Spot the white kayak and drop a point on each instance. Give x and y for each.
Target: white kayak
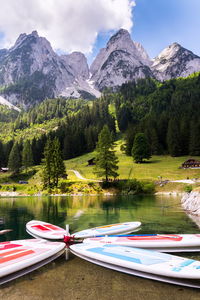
(140, 262)
(159, 242)
(118, 228)
(45, 230)
(17, 256)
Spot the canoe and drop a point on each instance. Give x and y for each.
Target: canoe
(20, 257)
(159, 242)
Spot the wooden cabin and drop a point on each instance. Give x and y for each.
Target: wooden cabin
(191, 163)
(91, 162)
(4, 170)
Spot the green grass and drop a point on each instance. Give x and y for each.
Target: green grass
(158, 166)
(165, 166)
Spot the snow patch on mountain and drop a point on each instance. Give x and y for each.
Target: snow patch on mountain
(5, 102)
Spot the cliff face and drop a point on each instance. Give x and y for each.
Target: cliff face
(191, 203)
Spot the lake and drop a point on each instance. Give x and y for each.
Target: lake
(158, 214)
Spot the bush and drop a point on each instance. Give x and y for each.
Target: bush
(132, 186)
(188, 188)
(148, 187)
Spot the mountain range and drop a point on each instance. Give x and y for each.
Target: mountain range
(32, 71)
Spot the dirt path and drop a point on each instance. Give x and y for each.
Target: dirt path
(79, 176)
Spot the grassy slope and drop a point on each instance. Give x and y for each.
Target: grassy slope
(165, 166)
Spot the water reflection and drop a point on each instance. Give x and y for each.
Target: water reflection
(157, 214)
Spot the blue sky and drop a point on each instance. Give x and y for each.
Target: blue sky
(159, 23)
(86, 25)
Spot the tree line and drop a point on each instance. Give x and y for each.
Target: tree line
(77, 130)
(166, 113)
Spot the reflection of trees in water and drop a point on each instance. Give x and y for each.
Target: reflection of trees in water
(15, 218)
(54, 210)
(112, 209)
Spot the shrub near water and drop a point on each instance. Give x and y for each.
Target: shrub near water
(132, 186)
(188, 188)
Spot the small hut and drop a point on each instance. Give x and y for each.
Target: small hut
(91, 162)
(4, 170)
(191, 163)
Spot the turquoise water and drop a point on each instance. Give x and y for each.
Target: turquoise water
(161, 214)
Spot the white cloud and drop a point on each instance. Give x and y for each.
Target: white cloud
(68, 24)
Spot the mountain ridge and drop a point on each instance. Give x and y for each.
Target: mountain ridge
(31, 71)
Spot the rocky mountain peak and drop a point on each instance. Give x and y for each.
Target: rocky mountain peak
(31, 71)
(121, 61)
(119, 37)
(175, 61)
(78, 64)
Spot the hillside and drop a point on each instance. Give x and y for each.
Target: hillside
(158, 170)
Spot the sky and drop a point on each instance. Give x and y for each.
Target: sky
(86, 25)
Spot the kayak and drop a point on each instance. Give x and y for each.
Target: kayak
(159, 242)
(40, 229)
(118, 228)
(20, 257)
(140, 262)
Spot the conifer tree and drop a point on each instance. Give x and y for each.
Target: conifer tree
(173, 138)
(14, 161)
(2, 157)
(141, 149)
(53, 165)
(58, 167)
(106, 160)
(194, 145)
(27, 155)
(47, 164)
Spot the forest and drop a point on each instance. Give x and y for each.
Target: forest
(166, 113)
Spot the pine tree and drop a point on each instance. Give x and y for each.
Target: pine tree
(27, 155)
(141, 149)
(106, 160)
(14, 161)
(58, 167)
(173, 138)
(53, 165)
(194, 144)
(47, 164)
(2, 157)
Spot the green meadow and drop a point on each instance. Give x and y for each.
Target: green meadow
(163, 166)
(158, 169)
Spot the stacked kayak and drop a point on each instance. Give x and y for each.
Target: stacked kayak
(109, 246)
(159, 242)
(44, 230)
(144, 263)
(48, 231)
(119, 228)
(20, 257)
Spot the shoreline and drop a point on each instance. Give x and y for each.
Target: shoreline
(17, 194)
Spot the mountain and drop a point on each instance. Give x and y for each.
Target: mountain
(121, 61)
(32, 71)
(175, 61)
(81, 87)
